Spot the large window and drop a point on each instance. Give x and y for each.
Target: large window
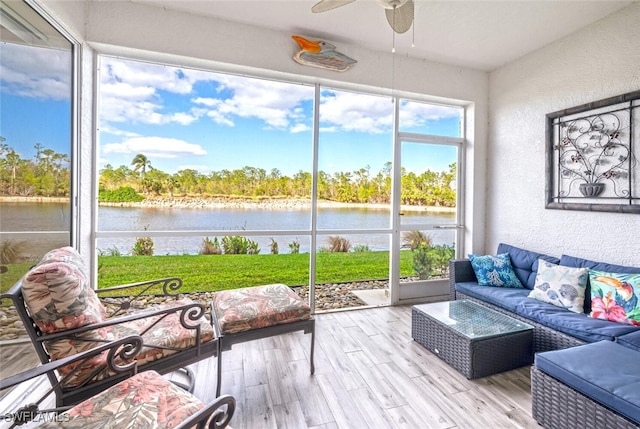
(36, 137)
(232, 177)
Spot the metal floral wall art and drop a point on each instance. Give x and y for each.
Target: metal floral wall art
(592, 156)
(318, 53)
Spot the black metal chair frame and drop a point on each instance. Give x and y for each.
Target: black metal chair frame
(120, 361)
(189, 314)
(227, 341)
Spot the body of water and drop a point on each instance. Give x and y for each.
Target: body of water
(53, 216)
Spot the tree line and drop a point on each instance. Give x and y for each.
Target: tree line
(47, 174)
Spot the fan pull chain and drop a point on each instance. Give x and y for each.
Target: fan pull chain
(393, 54)
(413, 33)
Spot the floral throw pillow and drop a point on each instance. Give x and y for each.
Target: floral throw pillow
(495, 270)
(615, 297)
(561, 286)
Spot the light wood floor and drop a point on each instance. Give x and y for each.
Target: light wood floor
(369, 374)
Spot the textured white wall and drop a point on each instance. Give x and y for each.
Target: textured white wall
(600, 61)
(149, 33)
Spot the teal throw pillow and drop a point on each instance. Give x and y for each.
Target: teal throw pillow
(561, 286)
(495, 270)
(615, 297)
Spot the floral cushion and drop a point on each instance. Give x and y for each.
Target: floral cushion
(157, 333)
(561, 286)
(58, 295)
(145, 400)
(615, 297)
(494, 270)
(249, 308)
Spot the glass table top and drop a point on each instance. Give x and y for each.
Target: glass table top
(472, 320)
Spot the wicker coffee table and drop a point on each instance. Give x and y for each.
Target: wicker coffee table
(475, 340)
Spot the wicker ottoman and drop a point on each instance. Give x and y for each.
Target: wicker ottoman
(252, 313)
(473, 339)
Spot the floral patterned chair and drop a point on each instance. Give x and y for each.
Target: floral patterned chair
(143, 400)
(63, 316)
(252, 313)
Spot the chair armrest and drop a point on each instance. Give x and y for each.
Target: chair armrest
(460, 270)
(218, 414)
(170, 287)
(188, 312)
(122, 349)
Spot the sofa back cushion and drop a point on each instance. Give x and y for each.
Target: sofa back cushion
(58, 295)
(525, 263)
(572, 261)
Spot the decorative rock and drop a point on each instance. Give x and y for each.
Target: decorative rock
(331, 296)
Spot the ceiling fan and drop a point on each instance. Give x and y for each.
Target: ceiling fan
(399, 12)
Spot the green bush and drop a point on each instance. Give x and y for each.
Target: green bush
(359, 248)
(294, 247)
(239, 245)
(210, 247)
(125, 194)
(431, 261)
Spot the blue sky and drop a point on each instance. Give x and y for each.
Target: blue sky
(35, 104)
(183, 118)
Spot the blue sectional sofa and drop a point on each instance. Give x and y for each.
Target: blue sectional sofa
(587, 370)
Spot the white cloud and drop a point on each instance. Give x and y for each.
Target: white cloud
(414, 114)
(107, 129)
(132, 91)
(35, 72)
(299, 128)
(277, 104)
(158, 147)
(356, 112)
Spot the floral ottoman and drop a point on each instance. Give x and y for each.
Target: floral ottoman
(252, 313)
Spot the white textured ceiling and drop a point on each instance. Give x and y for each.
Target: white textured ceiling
(472, 33)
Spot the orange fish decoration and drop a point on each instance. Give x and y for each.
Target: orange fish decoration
(321, 54)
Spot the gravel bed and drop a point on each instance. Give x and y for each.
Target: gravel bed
(331, 296)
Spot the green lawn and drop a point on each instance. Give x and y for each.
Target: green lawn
(216, 272)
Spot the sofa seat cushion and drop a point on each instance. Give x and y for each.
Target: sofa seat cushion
(572, 261)
(162, 337)
(145, 400)
(507, 298)
(574, 324)
(525, 263)
(631, 340)
(604, 371)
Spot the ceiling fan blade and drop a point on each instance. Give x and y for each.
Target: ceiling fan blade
(325, 5)
(401, 18)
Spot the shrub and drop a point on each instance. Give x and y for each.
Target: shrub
(431, 261)
(143, 247)
(273, 246)
(338, 244)
(414, 239)
(361, 248)
(210, 247)
(239, 245)
(112, 251)
(294, 247)
(10, 251)
(125, 194)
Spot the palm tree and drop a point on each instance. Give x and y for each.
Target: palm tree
(141, 162)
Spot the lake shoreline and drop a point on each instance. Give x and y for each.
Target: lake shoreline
(207, 202)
